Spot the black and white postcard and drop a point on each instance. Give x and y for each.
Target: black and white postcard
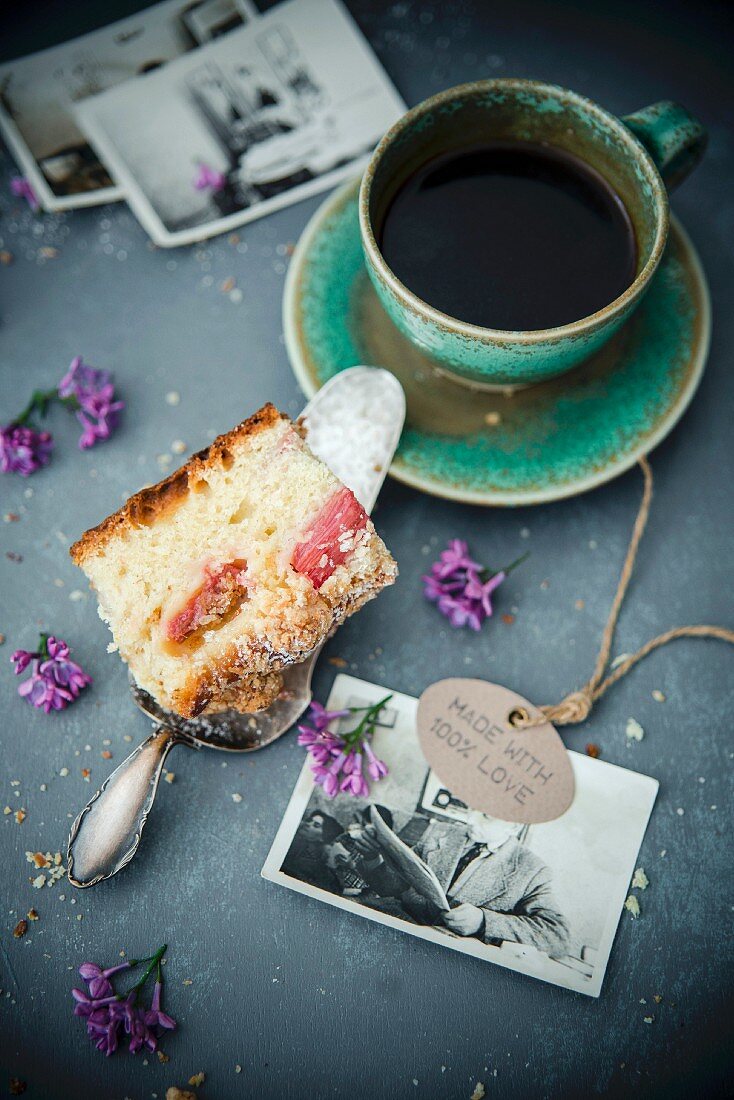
(544, 900)
(263, 117)
(38, 93)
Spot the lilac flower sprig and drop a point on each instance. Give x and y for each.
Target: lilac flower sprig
(107, 1012)
(461, 587)
(87, 392)
(338, 760)
(55, 680)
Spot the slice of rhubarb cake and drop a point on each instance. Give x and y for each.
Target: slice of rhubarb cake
(235, 566)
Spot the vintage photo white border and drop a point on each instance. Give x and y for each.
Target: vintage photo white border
(14, 138)
(313, 17)
(546, 969)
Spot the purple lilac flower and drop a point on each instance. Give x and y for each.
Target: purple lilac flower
(66, 673)
(21, 187)
(354, 782)
(109, 1014)
(98, 411)
(81, 380)
(43, 693)
(155, 1017)
(21, 659)
(316, 740)
(461, 588)
(330, 776)
(321, 717)
(454, 558)
(481, 592)
(376, 767)
(23, 450)
(208, 178)
(55, 681)
(98, 979)
(86, 1005)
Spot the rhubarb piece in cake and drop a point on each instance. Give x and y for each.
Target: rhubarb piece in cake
(236, 565)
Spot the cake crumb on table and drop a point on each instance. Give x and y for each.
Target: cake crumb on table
(632, 906)
(479, 1092)
(174, 1093)
(640, 881)
(197, 1079)
(634, 730)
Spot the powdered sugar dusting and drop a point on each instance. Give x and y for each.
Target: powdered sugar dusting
(353, 424)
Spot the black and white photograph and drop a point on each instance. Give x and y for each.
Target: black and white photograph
(541, 899)
(268, 115)
(38, 93)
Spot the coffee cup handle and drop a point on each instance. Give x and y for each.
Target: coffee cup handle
(675, 140)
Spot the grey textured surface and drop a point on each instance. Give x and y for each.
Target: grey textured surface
(308, 1000)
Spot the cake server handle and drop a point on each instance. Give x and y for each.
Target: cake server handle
(106, 834)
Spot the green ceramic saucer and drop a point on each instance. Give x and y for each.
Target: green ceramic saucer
(533, 445)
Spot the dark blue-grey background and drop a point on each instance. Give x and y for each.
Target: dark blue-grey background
(309, 1001)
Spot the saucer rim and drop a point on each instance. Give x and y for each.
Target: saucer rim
(494, 498)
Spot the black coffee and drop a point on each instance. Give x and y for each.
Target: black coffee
(510, 236)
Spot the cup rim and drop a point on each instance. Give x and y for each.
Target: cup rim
(516, 336)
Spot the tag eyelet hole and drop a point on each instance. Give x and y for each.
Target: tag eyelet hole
(518, 717)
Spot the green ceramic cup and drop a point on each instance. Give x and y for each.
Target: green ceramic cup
(640, 155)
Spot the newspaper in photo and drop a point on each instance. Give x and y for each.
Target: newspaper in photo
(272, 113)
(544, 900)
(38, 93)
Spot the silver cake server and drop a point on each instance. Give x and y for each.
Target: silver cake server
(353, 424)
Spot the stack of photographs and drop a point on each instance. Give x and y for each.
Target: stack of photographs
(203, 115)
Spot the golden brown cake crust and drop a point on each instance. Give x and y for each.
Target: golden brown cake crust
(143, 508)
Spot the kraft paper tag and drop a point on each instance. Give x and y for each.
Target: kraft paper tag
(466, 733)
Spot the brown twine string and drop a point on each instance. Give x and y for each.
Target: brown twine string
(577, 705)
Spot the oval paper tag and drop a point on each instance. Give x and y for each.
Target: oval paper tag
(465, 731)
